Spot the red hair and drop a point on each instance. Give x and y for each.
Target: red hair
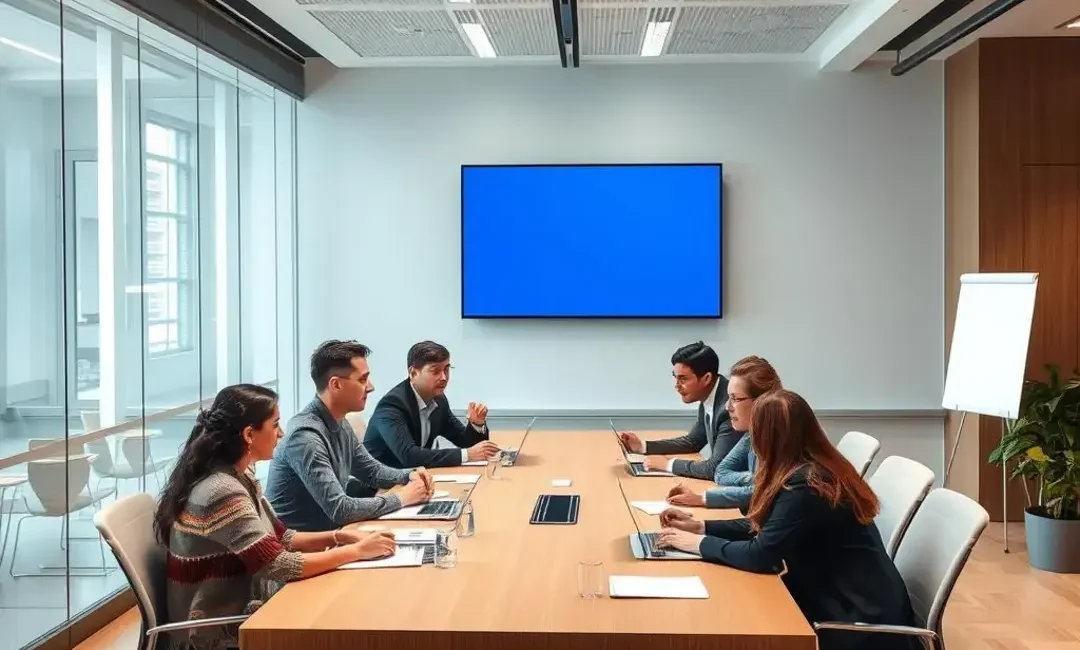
(786, 436)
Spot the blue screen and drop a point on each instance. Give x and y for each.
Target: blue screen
(591, 241)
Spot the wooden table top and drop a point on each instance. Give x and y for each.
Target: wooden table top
(516, 583)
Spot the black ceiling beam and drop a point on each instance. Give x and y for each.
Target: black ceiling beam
(574, 30)
(218, 31)
(921, 27)
(973, 22)
(559, 35)
(256, 17)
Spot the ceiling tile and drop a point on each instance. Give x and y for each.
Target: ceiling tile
(396, 33)
(750, 30)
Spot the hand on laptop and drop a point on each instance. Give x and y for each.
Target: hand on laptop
(682, 495)
(372, 546)
(679, 539)
(415, 491)
(485, 450)
(632, 442)
(656, 463)
(681, 520)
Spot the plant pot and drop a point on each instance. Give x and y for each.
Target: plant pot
(1052, 544)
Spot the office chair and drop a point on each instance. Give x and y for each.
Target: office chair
(127, 525)
(900, 484)
(931, 556)
(859, 449)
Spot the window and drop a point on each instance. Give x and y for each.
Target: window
(167, 274)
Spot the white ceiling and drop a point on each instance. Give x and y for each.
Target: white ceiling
(833, 34)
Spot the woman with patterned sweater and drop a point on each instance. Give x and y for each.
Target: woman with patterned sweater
(227, 550)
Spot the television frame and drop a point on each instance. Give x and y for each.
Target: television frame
(575, 317)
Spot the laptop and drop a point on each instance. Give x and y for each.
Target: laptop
(635, 463)
(643, 545)
(510, 456)
(428, 538)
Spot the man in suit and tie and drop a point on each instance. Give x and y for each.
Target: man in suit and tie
(696, 370)
(409, 418)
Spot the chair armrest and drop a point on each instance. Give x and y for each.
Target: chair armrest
(192, 624)
(928, 637)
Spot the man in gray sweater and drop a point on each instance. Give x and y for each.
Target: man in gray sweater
(321, 477)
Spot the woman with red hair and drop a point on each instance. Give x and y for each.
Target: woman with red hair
(811, 518)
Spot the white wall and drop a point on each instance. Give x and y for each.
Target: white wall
(833, 224)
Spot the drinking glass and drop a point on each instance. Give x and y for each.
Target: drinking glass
(493, 467)
(590, 579)
(446, 548)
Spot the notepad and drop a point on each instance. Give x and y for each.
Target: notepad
(651, 507)
(403, 556)
(456, 478)
(474, 463)
(656, 587)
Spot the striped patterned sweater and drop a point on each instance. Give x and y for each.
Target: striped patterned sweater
(228, 552)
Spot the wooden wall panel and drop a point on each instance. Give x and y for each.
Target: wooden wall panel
(1029, 117)
(1051, 199)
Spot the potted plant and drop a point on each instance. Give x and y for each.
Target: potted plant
(1045, 446)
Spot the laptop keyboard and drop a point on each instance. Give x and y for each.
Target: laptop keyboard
(649, 544)
(438, 508)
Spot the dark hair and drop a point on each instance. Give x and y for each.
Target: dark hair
(786, 436)
(426, 352)
(699, 357)
(334, 359)
(214, 441)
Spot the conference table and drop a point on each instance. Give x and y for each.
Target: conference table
(515, 585)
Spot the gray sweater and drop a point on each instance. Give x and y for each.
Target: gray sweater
(227, 554)
(312, 466)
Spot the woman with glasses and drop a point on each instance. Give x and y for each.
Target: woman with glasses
(811, 519)
(750, 378)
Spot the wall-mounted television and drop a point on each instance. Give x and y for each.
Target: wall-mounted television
(591, 241)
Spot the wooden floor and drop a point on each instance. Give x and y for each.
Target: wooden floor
(1000, 603)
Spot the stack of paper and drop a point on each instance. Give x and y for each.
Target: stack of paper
(474, 463)
(456, 478)
(403, 556)
(415, 535)
(656, 587)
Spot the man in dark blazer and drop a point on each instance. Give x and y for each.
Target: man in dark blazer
(696, 370)
(408, 419)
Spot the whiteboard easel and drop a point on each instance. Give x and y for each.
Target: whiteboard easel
(988, 354)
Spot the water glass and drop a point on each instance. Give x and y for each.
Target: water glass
(590, 579)
(466, 524)
(446, 548)
(493, 467)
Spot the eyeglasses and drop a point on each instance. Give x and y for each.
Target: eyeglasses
(735, 400)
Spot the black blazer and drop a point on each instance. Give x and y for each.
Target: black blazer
(720, 438)
(393, 433)
(838, 569)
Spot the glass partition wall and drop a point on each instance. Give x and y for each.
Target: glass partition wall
(146, 246)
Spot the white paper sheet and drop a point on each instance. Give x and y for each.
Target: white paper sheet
(651, 507)
(455, 478)
(404, 556)
(474, 463)
(635, 458)
(415, 535)
(656, 587)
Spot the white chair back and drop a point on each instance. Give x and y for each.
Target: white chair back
(127, 525)
(934, 550)
(900, 484)
(358, 424)
(860, 449)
